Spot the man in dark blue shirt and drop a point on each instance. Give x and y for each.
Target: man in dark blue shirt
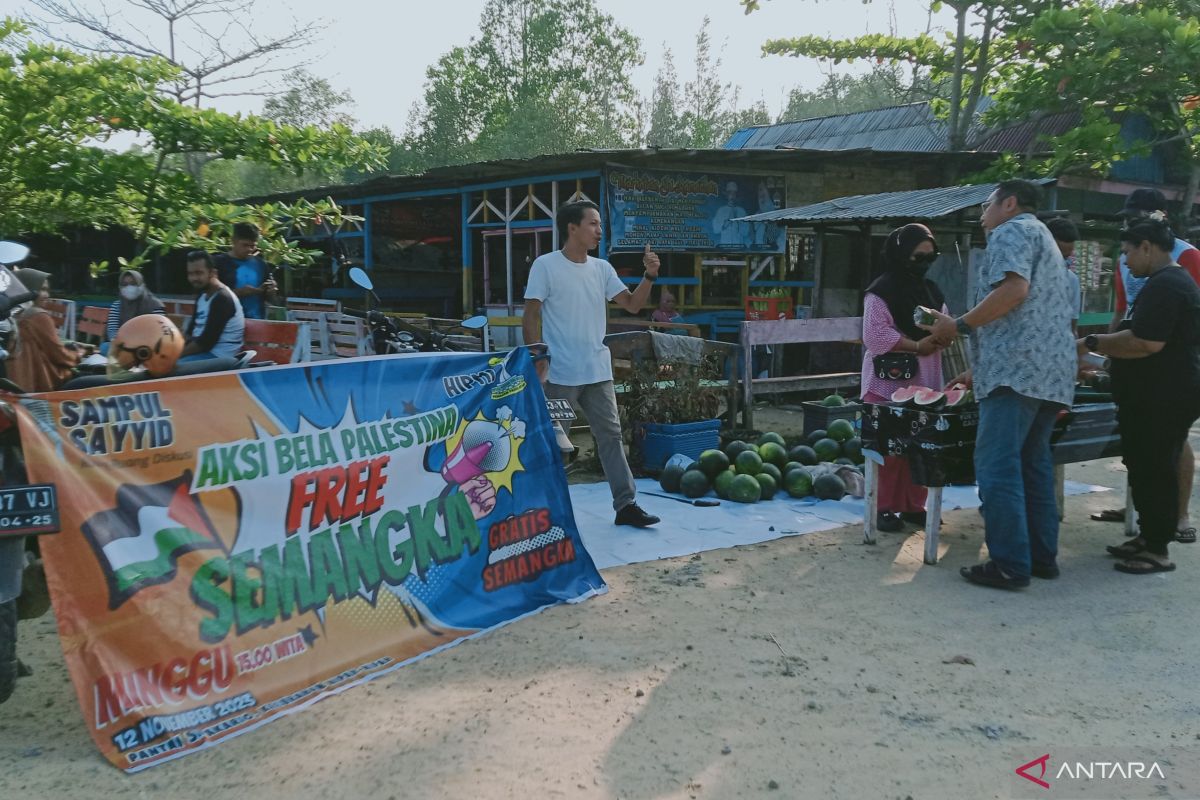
(244, 271)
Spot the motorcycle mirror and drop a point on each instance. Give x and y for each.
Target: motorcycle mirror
(475, 323)
(12, 252)
(360, 278)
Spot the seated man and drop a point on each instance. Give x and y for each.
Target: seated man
(218, 328)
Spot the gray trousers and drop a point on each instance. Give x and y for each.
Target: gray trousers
(599, 404)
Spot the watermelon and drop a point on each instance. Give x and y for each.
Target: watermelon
(827, 449)
(834, 400)
(712, 462)
(772, 453)
(843, 461)
(723, 482)
(789, 466)
(770, 436)
(694, 483)
(745, 489)
(798, 483)
(959, 397)
(853, 450)
(841, 430)
(907, 393)
(767, 485)
(669, 479)
(829, 487)
(928, 399)
(733, 448)
(816, 436)
(749, 463)
(804, 454)
(774, 471)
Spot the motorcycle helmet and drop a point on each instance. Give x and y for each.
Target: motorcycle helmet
(150, 342)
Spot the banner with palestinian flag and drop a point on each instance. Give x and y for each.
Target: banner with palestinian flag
(236, 546)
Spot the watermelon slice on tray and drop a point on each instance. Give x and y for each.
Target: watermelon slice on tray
(907, 393)
(929, 399)
(959, 396)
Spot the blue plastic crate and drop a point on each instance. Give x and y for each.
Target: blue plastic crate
(659, 442)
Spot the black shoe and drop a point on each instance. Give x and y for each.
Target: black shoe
(989, 574)
(1046, 572)
(633, 514)
(888, 522)
(915, 517)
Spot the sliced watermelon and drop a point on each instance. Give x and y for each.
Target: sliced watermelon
(928, 398)
(907, 393)
(959, 397)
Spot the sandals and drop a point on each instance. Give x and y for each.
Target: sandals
(1126, 549)
(1110, 515)
(1144, 564)
(1186, 535)
(989, 574)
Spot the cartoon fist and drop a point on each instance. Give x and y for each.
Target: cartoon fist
(481, 496)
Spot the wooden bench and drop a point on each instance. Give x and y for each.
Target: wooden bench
(63, 312)
(314, 304)
(281, 342)
(92, 323)
(347, 336)
(183, 306)
(795, 331)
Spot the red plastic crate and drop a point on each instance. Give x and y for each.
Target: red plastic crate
(760, 308)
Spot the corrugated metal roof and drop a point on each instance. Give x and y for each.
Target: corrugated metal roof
(919, 204)
(912, 128)
(908, 128)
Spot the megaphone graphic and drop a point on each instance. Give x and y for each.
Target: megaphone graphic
(485, 446)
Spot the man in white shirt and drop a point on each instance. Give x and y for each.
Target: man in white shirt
(565, 300)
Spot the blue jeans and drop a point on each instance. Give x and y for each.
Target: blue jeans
(196, 357)
(1015, 473)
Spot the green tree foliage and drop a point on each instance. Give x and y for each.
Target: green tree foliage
(704, 111)
(884, 85)
(308, 100)
(58, 106)
(1107, 61)
(542, 76)
(961, 63)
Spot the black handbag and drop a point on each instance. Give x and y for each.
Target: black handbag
(895, 366)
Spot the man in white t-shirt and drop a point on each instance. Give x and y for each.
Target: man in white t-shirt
(565, 300)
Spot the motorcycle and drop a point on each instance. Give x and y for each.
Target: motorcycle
(392, 336)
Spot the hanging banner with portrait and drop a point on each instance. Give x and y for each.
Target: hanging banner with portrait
(693, 212)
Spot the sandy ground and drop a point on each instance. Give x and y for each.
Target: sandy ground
(812, 666)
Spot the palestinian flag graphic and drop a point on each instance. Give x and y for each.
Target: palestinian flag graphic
(139, 541)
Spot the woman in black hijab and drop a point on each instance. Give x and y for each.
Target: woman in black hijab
(898, 354)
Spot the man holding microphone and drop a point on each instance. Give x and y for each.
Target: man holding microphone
(565, 299)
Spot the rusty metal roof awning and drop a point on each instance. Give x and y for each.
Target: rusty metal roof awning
(915, 204)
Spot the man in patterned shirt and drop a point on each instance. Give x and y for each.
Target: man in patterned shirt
(1024, 371)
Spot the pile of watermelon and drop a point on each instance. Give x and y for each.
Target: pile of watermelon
(746, 473)
(932, 399)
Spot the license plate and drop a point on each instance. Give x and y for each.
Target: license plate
(560, 410)
(28, 509)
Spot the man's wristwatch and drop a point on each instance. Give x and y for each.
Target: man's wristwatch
(646, 276)
(960, 324)
(1092, 342)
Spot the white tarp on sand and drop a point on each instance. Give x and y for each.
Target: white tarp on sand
(686, 529)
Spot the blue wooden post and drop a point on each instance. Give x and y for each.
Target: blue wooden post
(467, 256)
(368, 255)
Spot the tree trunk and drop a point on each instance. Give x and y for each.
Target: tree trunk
(956, 80)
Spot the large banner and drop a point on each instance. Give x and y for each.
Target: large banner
(236, 546)
(694, 212)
